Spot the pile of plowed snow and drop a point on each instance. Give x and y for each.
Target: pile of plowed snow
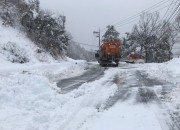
(168, 71)
(29, 99)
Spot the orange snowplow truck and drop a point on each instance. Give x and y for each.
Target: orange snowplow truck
(109, 53)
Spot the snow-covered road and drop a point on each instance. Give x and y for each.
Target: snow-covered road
(136, 104)
(79, 96)
(92, 73)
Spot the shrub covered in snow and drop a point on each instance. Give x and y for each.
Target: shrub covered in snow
(14, 53)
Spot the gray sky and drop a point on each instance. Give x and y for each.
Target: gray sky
(86, 16)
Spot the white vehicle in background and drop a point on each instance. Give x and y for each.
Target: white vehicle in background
(135, 58)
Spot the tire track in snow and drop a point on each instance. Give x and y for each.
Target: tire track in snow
(124, 91)
(151, 89)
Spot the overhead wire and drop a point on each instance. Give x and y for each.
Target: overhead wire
(175, 12)
(137, 15)
(171, 17)
(168, 9)
(146, 10)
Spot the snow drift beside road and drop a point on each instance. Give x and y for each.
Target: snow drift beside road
(169, 71)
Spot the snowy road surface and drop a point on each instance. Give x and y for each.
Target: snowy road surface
(93, 73)
(79, 96)
(136, 103)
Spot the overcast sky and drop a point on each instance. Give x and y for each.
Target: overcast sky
(86, 16)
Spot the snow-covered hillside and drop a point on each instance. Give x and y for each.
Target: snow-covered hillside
(16, 47)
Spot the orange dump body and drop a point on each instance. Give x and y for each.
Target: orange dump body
(109, 53)
(112, 48)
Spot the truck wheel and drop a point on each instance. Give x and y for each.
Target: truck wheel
(116, 65)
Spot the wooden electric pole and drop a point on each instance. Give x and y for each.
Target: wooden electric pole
(98, 34)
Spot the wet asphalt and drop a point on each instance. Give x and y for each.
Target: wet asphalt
(93, 72)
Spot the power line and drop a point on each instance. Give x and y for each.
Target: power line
(138, 17)
(168, 9)
(175, 12)
(172, 16)
(146, 10)
(171, 11)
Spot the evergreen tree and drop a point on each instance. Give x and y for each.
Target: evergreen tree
(111, 34)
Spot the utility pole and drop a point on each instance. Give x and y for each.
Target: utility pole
(98, 34)
(63, 20)
(18, 2)
(99, 37)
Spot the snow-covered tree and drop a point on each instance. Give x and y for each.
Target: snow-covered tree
(43, 27)
(111, 34)
(8, 13)
(154, 37)
(129, 46)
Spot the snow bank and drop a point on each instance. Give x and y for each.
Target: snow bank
(168, 71)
